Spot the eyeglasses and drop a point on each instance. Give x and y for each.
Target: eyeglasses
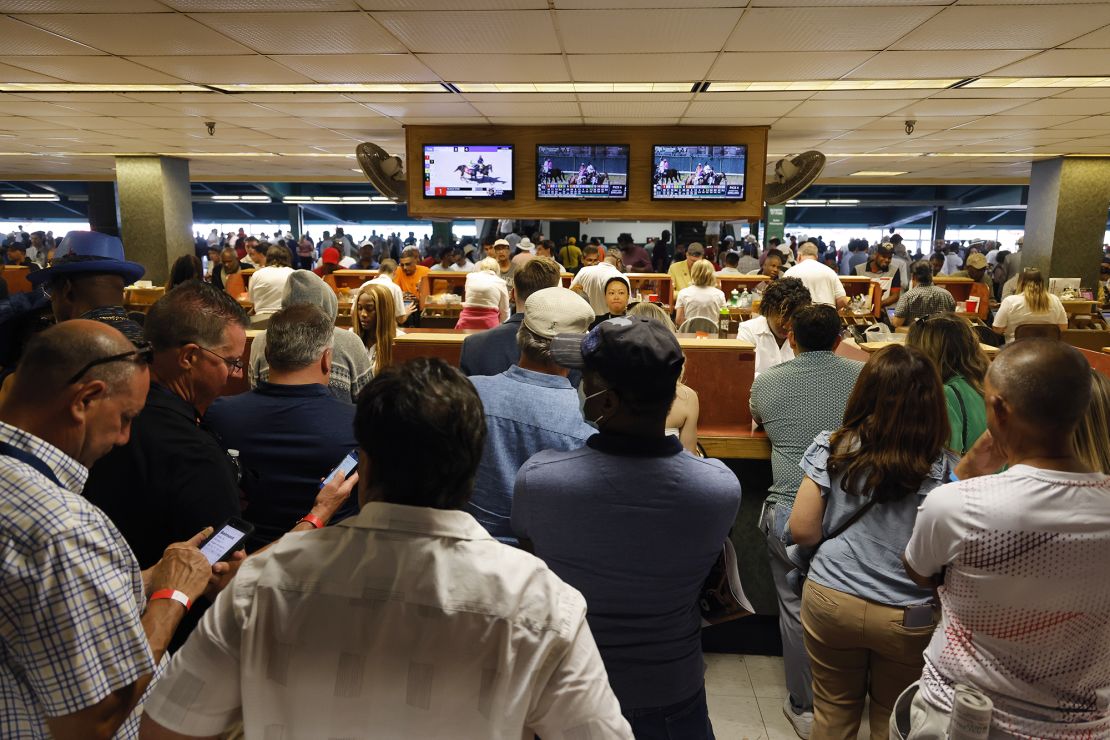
(233, 365)
(142, 353)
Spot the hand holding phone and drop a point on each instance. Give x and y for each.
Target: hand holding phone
(345, 466)
(226, 540)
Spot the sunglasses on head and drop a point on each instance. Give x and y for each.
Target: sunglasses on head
(143, 353)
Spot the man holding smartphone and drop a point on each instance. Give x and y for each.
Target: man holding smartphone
(84, 629)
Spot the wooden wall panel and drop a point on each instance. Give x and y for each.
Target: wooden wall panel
(639, 205)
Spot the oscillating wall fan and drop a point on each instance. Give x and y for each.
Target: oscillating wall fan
(385, 172)
(792, 176)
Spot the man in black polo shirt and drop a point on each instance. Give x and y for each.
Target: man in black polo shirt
(290, 430)
(174, 475)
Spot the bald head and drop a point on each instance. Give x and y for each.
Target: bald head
(1046, 383)
(57, 354)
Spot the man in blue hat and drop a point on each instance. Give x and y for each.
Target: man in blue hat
(87, 281)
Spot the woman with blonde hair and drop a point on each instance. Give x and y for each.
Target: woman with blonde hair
(374, 318)
(486, 296)
(701, 298)
(954, 348)
(682, 419)
(1092, 436)
(1032, 304)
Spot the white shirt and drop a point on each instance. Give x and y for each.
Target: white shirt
(1013, 312)
(700, 301)
(394, 289)
(768, 351)
(822, 282)
(486, 290)
(1025, 612)
(952, 264)
(593, 280)
(467, 266)
(399, 622)
(265, 288)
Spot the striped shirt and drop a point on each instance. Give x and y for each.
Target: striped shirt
(71, 597)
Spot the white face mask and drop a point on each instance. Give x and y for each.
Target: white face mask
(582, 399)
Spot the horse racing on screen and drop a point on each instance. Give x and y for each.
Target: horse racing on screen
(582, 172)
(698, 172)
(468, 171)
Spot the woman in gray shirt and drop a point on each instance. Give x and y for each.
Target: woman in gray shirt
(865, 623)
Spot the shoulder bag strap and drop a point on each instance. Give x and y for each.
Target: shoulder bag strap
(7, 450)
(852, 520)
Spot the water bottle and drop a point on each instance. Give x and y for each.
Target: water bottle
(234, 456)
(734, 297)
(745, 299)
(722, 326)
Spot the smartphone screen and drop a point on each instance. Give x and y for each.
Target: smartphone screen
(345, 466)
(222, 543)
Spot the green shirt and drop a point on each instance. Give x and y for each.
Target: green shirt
(974, 411)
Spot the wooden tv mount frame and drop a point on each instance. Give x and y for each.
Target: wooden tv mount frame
(638, 206)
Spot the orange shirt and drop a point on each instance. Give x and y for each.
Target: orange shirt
(234, 286)
(409, 284)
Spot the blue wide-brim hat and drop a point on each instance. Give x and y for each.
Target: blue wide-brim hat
(98, 253)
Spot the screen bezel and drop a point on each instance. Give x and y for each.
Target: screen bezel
(606, 199)
(722, 199)
(507, 195)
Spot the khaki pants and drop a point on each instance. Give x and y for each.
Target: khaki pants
(858, 649)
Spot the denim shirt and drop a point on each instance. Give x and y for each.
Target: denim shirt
(526, 412)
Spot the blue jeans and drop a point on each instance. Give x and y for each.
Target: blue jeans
(684, 720)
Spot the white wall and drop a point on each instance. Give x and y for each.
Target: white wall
(610, 230)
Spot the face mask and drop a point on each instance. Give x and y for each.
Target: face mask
(582, 399)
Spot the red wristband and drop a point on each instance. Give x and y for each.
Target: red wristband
(312, 519)
(173, 595)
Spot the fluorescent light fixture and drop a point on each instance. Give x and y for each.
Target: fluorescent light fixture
(822, 203)
(573, 87)
(822, 85)
(843, 201)
(30, 196)
(810, 201)
(995, 82)
(94, 87)
(241, 198)
(327, 87)
(900, 155)
(876, 173)
(333, 199)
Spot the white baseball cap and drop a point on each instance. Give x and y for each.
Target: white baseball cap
(557, 310)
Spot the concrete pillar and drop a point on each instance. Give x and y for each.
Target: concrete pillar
(296, 220)
(937, 227)
(1065, 222)
(103, 209)
(156, 212)
(441, 230)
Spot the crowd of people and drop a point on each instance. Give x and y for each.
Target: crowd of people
(521, 546)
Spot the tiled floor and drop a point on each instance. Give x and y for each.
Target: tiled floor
(745, 694)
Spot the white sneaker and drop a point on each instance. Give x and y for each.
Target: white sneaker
(802, 723)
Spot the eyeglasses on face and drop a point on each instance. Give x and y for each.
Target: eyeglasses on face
(234, 365)
(142, 353)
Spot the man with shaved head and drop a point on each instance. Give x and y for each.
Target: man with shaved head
(1022, 558)
(83, 629)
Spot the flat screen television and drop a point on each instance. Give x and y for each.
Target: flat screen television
(698, 172)
(468, 171)
(597, 172)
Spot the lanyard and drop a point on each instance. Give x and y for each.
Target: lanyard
(7, 450)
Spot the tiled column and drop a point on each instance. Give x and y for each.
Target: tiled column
(1065, 223)
(156, 212)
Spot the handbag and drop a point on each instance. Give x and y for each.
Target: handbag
(722, 597)
(802, 556)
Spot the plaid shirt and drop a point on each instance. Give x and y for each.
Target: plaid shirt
(71, 597)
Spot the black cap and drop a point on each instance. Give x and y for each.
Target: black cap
(635, 354)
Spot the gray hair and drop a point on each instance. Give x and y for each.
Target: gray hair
(533, 346)
(192, 313)
(298, 336)
(410, 252)
(808, 249)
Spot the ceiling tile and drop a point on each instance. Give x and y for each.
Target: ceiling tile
(133, 34)
(616, 31)
(224, 70)
(497, 67)
(1019, 122)
(247, 6)
(180, 123)
(836, 3)
(1099, 39)
(402, 97)
(534, 109)
(510, 31)
(748, 66)
(964, 93)
(359, 67)
(81, 6)
(641, 4)
(101, 69)
(820, 108)
(825, 29)
(516, 97)
(607, 121)
(427, 110)
(453, 4)
(628, 109)
(325, 110)
(747, 109)
(828, 123)
(103, 123)
(897, 124)
(661, 67)
(24, 39)
(544, 121)
(1093, 123)
(635, 97)
(447, 121)
(16, 74)
(304, 33)
(731, 121)
(1006, 27)
(218, 108)
(1061, 62)
(864, 95)
(20, 123)
(893, 65)
(743, 96)
(1062, 106)
(960, 107)
(119, 109)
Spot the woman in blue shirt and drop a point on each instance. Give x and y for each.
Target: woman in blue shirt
(865, 623)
